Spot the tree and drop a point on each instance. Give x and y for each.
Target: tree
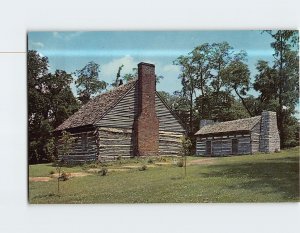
(116, 83)
(186, 146)
(88, 82)
(236, 76)
(50, 102)
(278, 83)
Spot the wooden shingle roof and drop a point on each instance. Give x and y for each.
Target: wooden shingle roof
(245, 124)
(96, 108)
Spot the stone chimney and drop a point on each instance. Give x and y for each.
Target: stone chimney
(269, 136)
(146, 125)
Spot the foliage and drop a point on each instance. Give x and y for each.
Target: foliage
(103, 171)
(278, 83)
(208, 74)
(186, 145)
(88, 83)
(118, 81)
(150, 160)
(64, 176)
(180, 163)
(67, 142)
(50, 102)
(216, 80)
(143, 168)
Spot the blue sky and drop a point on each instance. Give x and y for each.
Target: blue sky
(70, 51)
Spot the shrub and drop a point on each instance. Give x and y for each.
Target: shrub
(150, 160)
(93, 165)
(143, 168)
(64, 176)
(103, 171)
(180, 163)
(51, 172)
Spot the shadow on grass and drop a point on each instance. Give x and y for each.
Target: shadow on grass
(279, 175)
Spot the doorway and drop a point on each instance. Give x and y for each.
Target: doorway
(235, 146)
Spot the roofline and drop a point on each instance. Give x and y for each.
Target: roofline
(73, 128)
(224, 132)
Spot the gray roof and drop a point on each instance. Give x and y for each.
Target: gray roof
(245, 124)
(97, 107)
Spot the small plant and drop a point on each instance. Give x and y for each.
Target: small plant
(150, 160)
(180, 163)
(161, 159)
(51, 172)
(143, 168)
(119, 157)
(103, 171)
(64, 176)
(93, 165)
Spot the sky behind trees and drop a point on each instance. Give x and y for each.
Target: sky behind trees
(71, 51)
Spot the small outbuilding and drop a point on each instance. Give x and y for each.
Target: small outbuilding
(243, 136)
(130, 120)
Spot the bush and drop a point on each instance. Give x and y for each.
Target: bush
(150, 160)
(51, 172)
(143, 168)
(103, 171)
(93, 165)
(64, 176)
(180, 163)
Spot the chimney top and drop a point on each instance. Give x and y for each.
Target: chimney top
(146, 64)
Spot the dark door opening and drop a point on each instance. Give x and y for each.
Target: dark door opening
(235, 145)
(208, 147)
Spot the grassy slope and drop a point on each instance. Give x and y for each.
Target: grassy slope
(254, 178)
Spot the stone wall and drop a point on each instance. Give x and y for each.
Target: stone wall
(269, 140)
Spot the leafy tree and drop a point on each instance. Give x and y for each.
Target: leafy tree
(278, 83)
(186, 146)
(236, 76)
(50, 102)
(88, 82)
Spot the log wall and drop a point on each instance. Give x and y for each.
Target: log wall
(222, 145)
(116, 128)
(84, 147)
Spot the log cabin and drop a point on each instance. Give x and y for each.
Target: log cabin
(130, 120)
(243, 136)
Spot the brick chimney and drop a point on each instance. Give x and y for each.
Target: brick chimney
(146, 125)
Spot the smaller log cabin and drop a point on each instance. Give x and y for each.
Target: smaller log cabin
(129, 120)
(243, 136)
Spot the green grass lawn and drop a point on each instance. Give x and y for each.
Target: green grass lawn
(252, 178)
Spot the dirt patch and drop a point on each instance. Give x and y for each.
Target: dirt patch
(96, 170)
(202, 161)
(40, 179)
(79, 174)
(131, 166)
(164, 163)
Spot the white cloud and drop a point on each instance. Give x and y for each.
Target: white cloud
(66, 35)
(110, 69)
(37, 45)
